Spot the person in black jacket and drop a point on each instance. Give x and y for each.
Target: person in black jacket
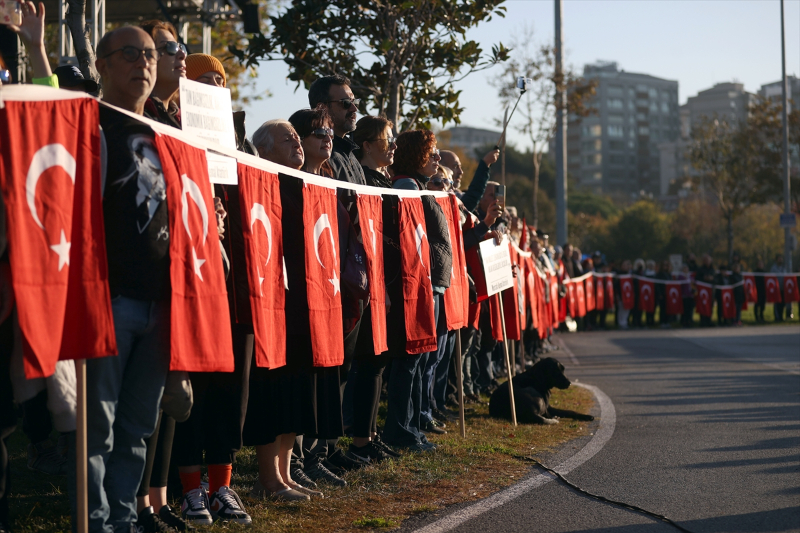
(735, 279)
(761, 291)
(664, 273)
(705, 273)
(477, 186)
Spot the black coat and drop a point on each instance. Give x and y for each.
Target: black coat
(439, 241)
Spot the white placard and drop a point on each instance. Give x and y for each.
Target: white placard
(496, 261)
(676, 261)
(206, 112)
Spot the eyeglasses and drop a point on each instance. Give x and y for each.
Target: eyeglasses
(171, 48)
(389, 141)
(442, 181)
(320, 133)
(435, 155)
(131, 54)
(347, 102)
(5, 76)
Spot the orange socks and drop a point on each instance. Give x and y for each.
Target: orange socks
(190, 480)
(218, 476)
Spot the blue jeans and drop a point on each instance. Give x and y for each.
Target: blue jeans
(404, 399)
(443, 371)
(123, 394)
(435, 359)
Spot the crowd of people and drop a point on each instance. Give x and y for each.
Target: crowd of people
(139, 449)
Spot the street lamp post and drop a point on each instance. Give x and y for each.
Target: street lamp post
(787, 232)
(561, 134)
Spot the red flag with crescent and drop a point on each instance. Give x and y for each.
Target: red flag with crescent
(456, 297)
(589, 289)
(260, 201)
(533, 291)
(609, 292)
(199, 340)
(580, 297)
(370, 213)
(773, 289)
(415, 268)
(647, 297)
(705, 299)
(790, 292)
(572, 298)
(674, 299)
(323, 270)
(626, 291)
(50, 176)
(553, 303)
(728, 303)
(494, 316)
(600, 293)
(750, 292)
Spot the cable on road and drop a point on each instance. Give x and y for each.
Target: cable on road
(607, 500)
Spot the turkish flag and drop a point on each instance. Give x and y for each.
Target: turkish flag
(750, 292)
(626, 291)
(553, 303)
(415, 268)
(674, 299)
(533, 289)
(790, 292)
(600, 296)
(573, 299)
(456, 297)
(728, 303)
(704, 299)
(580, 297)
(199, 340)
(773, 289)
(647, 297)
(494, 317)
(260, 201)
(323, 268)
(50, 176)
(589, 289)
(370, 213)
(610, 292)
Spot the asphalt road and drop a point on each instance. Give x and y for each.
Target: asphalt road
(706, 432)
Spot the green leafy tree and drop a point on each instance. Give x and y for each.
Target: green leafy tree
(535, 117)
(641, 230)
(402, 57)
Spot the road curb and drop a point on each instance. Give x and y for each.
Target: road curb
(608, 420)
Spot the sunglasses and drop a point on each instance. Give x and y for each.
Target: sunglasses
(389, 141)
(131, 54)
(171, 48)
(5, 76)
(320, 133)
(442, 181)
(347, 102)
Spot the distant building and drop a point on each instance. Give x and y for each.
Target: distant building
(724, 100)
(773, 90)
(616, 150)
(471, 138)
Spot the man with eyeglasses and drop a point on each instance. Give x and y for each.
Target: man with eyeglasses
(124, 391)
(334, 92)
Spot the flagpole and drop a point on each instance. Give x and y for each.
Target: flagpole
(81, 461)
(460, 383)
(508, 361)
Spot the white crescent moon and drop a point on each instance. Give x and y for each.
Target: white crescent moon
(372, 229)
(646, 292)
(46, 157)
(257, 212)
(319, 227)
(726, 298)
(673, 293)
(191, 188)
(704, 295)
(418, 235)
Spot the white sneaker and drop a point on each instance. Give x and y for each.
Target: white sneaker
(227, 507)
(194, 507)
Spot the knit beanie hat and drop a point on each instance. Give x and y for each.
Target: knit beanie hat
(199, 64)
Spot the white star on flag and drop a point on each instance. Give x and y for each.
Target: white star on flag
(335, 283)
(197, 264)
(62, 250)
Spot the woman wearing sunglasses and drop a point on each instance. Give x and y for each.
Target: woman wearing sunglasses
(442, 180)
(315, 128)
(162, 104)
(375, 152)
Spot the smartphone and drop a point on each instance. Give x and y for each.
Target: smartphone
(500, 194)
(10, 13)
(522, 83)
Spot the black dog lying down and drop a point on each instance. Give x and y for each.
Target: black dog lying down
(532, 395)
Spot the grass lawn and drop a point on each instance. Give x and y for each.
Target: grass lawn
(381, 496)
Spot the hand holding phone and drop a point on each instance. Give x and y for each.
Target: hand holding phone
(10, 13)
(500, 194)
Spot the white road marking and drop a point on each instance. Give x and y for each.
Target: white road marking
(608, 420)
(561, 344)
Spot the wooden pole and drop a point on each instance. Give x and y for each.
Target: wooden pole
(81, 460)
(508, 361)
(460, 383)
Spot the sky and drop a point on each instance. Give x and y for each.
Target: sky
(697, 42)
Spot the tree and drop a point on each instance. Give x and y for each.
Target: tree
(402, 57)
(539, 105)
(642, 230)
(76, 20)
